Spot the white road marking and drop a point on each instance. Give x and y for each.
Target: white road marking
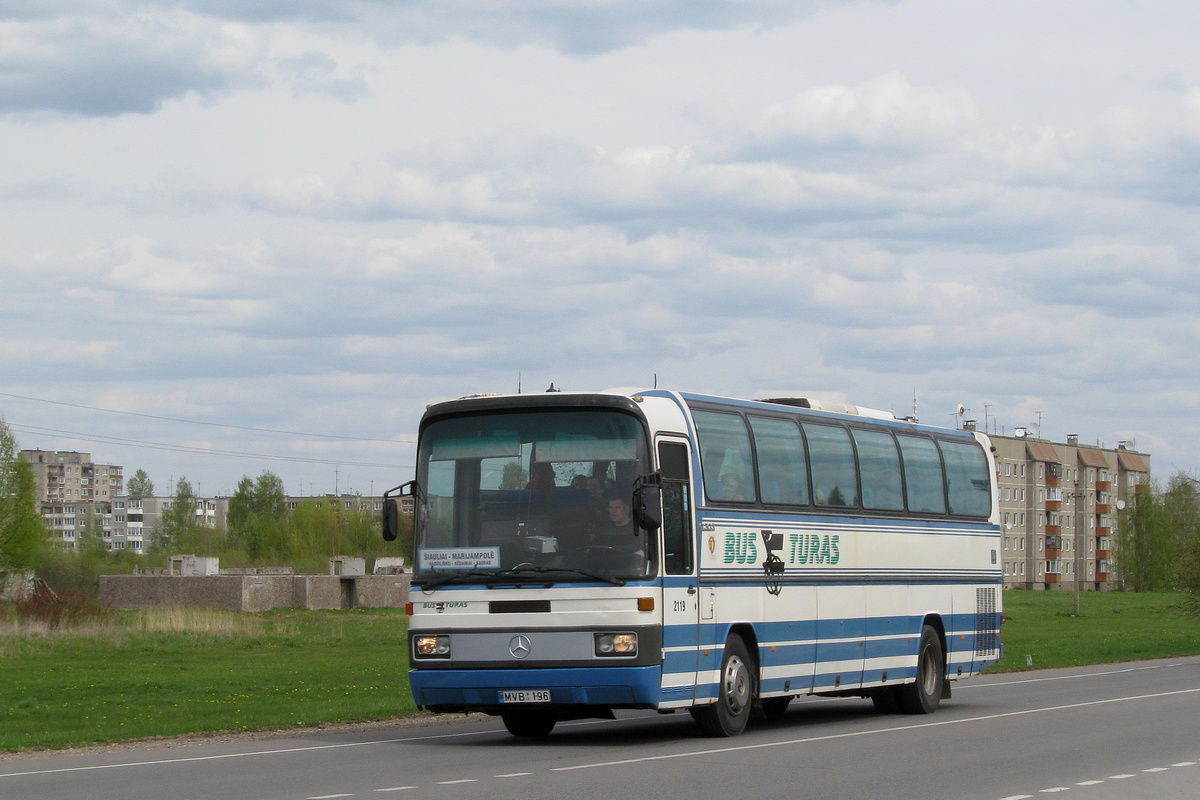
(329, 796)
(275, 752)
(1088, 783)
(1018, 797)
(395, 788)
(1185, 764)
(1156, 769)
(1120, 777)
(513, 775)
(460, 780)
(855, 734)
(1055, 790)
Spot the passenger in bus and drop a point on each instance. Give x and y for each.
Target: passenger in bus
(731, 485)
(541, 478)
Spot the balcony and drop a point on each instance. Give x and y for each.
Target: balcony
(1054, 505)
(1053, 552)
(1053, 480)
(1104, 554)
(1103, 530)
(1103, 486)
(1103, 576)
(1103, 508)
(1053, 530)
(1053, 578)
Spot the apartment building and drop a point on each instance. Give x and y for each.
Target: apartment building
(1058, 509)
(75, 494)
(137, 519)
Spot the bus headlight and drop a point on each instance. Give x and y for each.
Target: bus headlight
(431, 646)
(616, 644)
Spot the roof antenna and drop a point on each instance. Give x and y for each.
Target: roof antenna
(656, 380)
(518, 383)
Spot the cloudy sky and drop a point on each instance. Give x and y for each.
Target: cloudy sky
(240, 235)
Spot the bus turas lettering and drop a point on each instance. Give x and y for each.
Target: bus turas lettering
(809, 548)
(741, 547)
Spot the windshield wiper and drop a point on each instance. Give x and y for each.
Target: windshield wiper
(433, 583)
(516, 572)
(581, 572)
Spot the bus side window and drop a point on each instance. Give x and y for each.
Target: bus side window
(879, 469)
(725, 457)
(678, 542)
(967, 482)
(923, 475)
(782, 469)
(831, 458)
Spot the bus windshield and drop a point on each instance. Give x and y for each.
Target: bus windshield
(533, 497)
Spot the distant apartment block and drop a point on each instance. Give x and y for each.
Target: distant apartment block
(136, 519)
(1058, 510)
(75, 494)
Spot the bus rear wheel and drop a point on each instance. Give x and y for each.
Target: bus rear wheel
(735, 694)
(529, 724)
(923, 695)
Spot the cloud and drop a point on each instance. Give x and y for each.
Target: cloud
(109, 65)
(315, 73)
(578, 27)
(886, 113)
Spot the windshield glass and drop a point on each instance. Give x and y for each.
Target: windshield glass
(531, 497)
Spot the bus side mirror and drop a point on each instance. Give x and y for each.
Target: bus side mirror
(647, 503)
(391, 510)
(391, 519)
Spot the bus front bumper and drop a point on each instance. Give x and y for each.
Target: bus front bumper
(482, 689)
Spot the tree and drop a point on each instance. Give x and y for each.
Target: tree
(1145, 551)
(257, 516)
(22, 534)
(140, 485)
(179, 519)
(1182, 508)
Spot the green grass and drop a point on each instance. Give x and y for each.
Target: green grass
(1111, 627)
(143, 674)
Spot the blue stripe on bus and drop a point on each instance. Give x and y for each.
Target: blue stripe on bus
(576, 686)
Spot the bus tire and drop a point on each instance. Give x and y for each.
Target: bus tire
(735, 693)
(529, 724)
(922, 696)
(774, 707)
(885, 701)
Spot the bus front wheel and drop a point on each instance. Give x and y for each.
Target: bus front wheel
(735, 694)
(529, 724)
(923, 695)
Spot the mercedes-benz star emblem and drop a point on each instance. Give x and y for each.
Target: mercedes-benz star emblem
(520, 646)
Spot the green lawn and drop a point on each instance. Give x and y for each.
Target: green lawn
(141, 674)
(284, 669)
(1111, 627)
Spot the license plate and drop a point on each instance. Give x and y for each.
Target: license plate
(525, 696)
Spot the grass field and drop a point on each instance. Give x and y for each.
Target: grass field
(159, 673)
(1111, 627)
(162, 673)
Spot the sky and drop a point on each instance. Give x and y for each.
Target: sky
(239, 236)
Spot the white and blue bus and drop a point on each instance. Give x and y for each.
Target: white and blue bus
(579, 553)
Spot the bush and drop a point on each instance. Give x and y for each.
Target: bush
(61, 609)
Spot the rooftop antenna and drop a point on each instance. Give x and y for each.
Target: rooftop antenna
(656, 380)
(518, 383)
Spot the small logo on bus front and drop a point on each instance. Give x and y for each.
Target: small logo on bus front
(520, 646)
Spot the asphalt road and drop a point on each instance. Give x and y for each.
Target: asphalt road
(1094, 733)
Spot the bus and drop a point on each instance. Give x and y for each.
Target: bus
(579, 553)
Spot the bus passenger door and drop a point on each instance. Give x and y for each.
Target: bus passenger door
(681, 596)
